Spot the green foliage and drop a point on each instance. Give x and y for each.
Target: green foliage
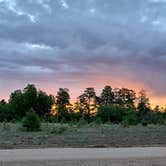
(6, 126)
(43, 103)
(74, 116)
(63, 120)
(62, 98)
(107, 96)
(125, 123)
(59, 129)
(144, 122)
(82, 122)
(98, 121)
(155, 118)
(113, 113)
(85, 101)
(6, 113)
(124, 97)
(17, 104)
(130, 117)
(51, 119)
(31, 121)
(143, 104)
(30, 96)
(113, 106)
(21, 101)
(63, 115)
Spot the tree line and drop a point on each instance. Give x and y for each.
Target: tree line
(118, 105)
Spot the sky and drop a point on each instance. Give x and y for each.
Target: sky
(83, 43)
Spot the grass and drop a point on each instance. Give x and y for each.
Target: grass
(90, 135)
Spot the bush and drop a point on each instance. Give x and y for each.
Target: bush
(130, 118)
(51, 119)
(125, 123)
(98, 121)
(144, 123)
(6, 114)
(82, 122)
(113, 113)
(63, 120)
(59, 130)
(155, 118)
(31, 122)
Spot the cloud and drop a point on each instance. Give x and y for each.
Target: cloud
(74, 42)
(64, 4)
(158, 1)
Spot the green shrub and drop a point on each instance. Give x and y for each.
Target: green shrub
(144, 123)
(63, 120)
(51, 119)
(125, 123)
(59, 130)
(31, 122)
(98, 121)
(73, 123)
(130, 118)
(6, 125)
(155, 118)
(6, 113)
(82, 122)
(113, 113)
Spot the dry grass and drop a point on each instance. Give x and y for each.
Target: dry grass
(58, 135)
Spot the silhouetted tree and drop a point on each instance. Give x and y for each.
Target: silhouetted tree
(17, 104)
(3, 102)
(88, 101)
(44, 103)
(6, 114)
(107, 96)
(30, 96)
(22, 101)
(157, 108)
(125, 97)
(117, 106)
(62, 100)
(143, 104)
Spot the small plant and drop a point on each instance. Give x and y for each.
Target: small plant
(73, 123)
(31, 122)
(125, 123)
(6, 125)
(82, 122)
(59, 130)
(51, 119)
(144, 123)
(98, 121)
(63, 120)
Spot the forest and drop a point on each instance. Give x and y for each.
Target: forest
(115, 106)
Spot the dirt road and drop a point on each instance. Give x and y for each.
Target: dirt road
(148, 156)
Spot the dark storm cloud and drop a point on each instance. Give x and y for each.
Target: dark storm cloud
(63, 39)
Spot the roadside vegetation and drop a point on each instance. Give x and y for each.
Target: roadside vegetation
(87, 135)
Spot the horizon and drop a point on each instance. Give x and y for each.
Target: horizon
(73, 99)
(77, 44)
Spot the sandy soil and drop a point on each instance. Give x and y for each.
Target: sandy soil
(147, 156)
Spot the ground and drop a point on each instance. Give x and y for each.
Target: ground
(91, 135)
(146, 156)
(131, 162)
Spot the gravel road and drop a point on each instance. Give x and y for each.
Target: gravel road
(147, 156)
